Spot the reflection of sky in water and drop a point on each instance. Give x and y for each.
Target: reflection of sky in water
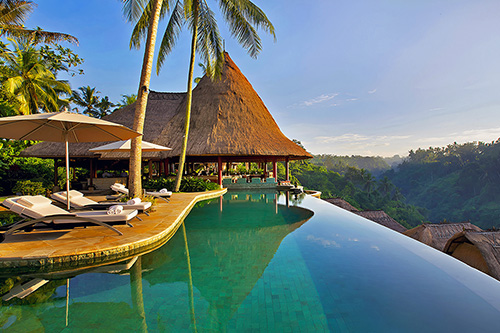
(260, 266)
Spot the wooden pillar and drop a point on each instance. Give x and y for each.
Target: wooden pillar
(265, 169)
(275, 170)
(150, 167)
(287, 168)
(219, 169)
(166, 165)
(91, 172)
(56, 165)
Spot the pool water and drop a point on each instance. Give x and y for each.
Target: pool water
(262, 262)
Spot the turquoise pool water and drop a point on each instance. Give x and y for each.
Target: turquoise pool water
(249, 263)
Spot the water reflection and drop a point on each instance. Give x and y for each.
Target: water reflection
(210, 265)
(228, 252)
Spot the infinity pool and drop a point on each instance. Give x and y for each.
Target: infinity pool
(262, 262)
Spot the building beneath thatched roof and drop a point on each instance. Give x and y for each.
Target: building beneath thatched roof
(382, 218)
(378, 216)
(229, 123)
(480, 250)
(436, 235)
(342, 204)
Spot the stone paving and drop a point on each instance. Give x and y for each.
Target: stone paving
(44, 251)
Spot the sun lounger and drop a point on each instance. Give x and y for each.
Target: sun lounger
(120, 188)
(43, 212)
(78, 201)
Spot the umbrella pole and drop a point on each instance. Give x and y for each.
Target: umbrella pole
(67, 170)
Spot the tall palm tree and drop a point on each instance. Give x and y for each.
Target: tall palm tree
(13, 13)
(243, 18)
(133, 9)
(25, 77)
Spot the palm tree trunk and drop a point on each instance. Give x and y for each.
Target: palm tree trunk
(182, 157)
(135, 185)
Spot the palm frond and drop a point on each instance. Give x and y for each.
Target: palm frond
(140, 30)
(37, 35)
(132, 9)
(240, 28)
(171, 34)
(209, 41)
(15, 12)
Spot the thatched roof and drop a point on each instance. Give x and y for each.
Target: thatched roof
(228, 118)
(342, 204)
(477, 249)
(436, 235)
(382, 218)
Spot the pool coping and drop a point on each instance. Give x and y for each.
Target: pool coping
(94, 246)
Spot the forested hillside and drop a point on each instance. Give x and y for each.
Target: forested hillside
(375, 164)
(357, 186)
(454, 183)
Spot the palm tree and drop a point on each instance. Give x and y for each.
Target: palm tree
(13, 13)
(127, 100)
(26, 79)
(242, 16)
(87, 98)
(132, 9)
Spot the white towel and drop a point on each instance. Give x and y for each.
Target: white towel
(134, 201)
(163, 190)
(115, 210)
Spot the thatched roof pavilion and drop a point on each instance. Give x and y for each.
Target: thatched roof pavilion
(229, 123)
(477, 249)
(436, 235)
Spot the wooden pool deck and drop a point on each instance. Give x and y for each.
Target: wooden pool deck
(46, 251)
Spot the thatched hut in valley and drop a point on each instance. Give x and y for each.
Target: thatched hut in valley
(229, 123)
(436, 235)
(339, 202)
(480, 250)
(378, 216)
(382, 218)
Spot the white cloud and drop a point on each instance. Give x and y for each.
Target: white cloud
(351, 99)
(316, 100)
(372, 91)
(319, 99)
(322, 241)
(485, 135)
(359, 138)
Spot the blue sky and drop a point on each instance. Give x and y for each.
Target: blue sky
(364, 77)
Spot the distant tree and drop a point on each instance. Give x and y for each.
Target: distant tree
(88, 99)
(127, 100)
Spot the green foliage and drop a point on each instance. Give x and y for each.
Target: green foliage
(458, 182)
(13, 168)
(356, 186)
(28, 187)
(189, 184)
(341, 164)
(8, 217)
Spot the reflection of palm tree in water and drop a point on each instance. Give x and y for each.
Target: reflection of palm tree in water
(136, 290)
(227, 254)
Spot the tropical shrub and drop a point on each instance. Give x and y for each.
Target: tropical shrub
(28, 187)
(190, 184)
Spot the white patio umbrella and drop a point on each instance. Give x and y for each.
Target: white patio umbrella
(63, 127)
(121, 146)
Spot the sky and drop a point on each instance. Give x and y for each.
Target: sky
(359, 77)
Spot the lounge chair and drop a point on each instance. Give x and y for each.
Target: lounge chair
(120, 188)
(44, 213)
(78, 201)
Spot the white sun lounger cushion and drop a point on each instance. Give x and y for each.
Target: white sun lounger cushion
(34, 201)
(134, 201)
(44, 207)
(76, 198)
